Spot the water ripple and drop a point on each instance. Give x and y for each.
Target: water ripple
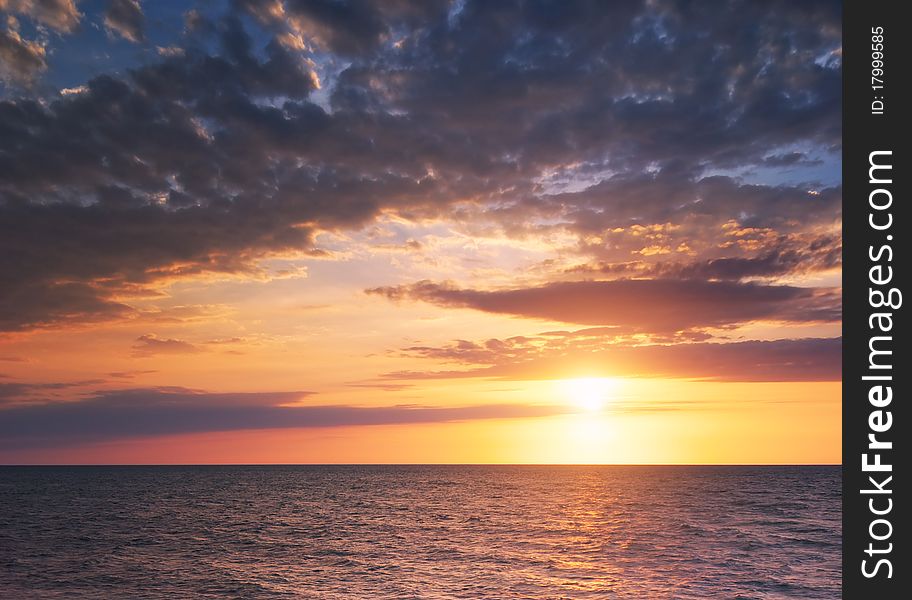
(435, 532)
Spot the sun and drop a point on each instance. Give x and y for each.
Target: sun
(588, 393)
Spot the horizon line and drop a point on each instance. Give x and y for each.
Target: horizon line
(438, 464)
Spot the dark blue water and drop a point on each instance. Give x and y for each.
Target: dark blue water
(420, 532)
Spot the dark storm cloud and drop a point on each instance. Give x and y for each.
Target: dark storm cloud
(96, 185)
(125, 18)
(220, 155)
(37, 304)
(650, 306)
(550, 356)
(664, 83)
(134, 413)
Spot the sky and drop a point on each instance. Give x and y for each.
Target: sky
(335, 231)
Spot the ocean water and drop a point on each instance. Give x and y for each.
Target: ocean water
(420, 532)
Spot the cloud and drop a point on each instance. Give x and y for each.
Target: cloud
(34, 305)
(638, 200)
(626, 86)
(211, 159)
(125, 414)
(60, 15)
(349, 28)
(130, 374)
(657, 305)
(78, 148)
(13, 391)
(555, 356)
(789, 159)
(21, 60)
(125, 18)
(383, 386)
(783, 255)
(169, 51)
(151, 345)
(25, 393)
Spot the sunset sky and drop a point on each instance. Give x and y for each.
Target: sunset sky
(344, 231)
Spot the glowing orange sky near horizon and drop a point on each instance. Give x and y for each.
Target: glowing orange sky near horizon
(778, 424)
(256, 336)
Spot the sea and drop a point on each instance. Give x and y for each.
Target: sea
(364, 532)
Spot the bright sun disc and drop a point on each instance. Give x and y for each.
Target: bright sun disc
(588, 393)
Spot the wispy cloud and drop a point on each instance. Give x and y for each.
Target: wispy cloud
(125, 18)
(131, 413)
(151, 345)
(554, 356)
